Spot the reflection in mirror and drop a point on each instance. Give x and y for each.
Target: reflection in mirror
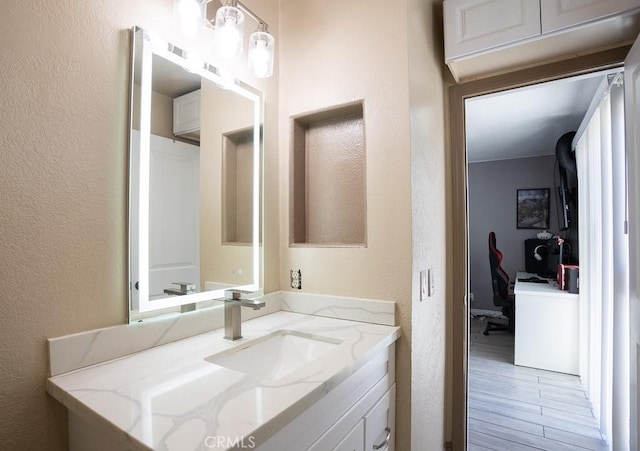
(194, 188)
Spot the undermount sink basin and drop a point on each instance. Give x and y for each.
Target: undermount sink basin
(276, 355)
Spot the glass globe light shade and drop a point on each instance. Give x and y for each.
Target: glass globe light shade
(261, 54)
(229, 31)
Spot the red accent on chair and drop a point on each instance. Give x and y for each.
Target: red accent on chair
(500, 285)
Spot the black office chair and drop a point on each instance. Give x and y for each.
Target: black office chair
(500, 284)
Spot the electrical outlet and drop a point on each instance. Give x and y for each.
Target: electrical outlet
(296, 279)
(423, 285)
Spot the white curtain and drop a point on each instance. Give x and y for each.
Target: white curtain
(595, 151)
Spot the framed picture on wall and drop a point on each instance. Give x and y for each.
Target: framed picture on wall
(533, 208)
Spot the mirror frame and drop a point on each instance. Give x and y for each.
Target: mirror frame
(139, 200)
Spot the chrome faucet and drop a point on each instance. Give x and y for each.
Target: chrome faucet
(232, 312)
(185, 288)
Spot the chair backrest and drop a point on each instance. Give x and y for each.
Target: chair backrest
(499, 278)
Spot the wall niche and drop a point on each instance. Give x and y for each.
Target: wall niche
(237, 195)
(328, 178)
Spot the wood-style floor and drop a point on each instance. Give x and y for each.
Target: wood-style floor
(519, 408)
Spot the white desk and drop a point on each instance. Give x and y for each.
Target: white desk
(546, 334)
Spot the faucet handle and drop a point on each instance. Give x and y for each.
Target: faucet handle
(185, 286)
(235, 294)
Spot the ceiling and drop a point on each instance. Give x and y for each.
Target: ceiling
(527, 122)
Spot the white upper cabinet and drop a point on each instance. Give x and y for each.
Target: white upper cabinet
(476, 25)
(186, 115)
(487, 37)
(559, 14)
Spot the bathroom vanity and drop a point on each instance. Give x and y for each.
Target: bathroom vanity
(294, 382)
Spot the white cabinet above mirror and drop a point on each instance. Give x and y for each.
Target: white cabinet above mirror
(471, 25)
(559, 14)
(488, 37)
(181, 117)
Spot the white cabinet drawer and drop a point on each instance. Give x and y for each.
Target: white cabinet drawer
(336, 439)
(559, 14)
(380, 423)
(326, 425)
(374, 429)
(354, 441)
(476, 25)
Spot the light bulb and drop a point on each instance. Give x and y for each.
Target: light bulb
(261, 59)
(229, 38)
(261, 54)
(229, 31)
(190, 16)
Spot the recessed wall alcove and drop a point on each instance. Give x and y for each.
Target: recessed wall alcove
(237, 196)
(328, 178)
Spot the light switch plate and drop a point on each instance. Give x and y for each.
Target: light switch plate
(423, 285)
(431, 283)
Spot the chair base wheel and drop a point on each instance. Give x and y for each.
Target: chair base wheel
(493, 326)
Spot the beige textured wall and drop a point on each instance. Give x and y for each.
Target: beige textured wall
(64, 68)
(429, 183)
(332, 53)
(335, 182)
(63, 146)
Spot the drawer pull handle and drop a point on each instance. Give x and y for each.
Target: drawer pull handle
(386, 439)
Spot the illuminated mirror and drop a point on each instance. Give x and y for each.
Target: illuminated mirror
(194, 181)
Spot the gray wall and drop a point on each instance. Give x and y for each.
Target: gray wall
(492, 206)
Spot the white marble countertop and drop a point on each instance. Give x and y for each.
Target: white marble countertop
(170, 397)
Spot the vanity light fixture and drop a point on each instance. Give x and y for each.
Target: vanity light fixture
(229, 32)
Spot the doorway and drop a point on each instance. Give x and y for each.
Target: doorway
(459, 246)
(524, 388)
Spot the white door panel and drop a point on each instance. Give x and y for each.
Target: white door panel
(174, 220)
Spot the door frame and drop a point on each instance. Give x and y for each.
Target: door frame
(458, 244)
